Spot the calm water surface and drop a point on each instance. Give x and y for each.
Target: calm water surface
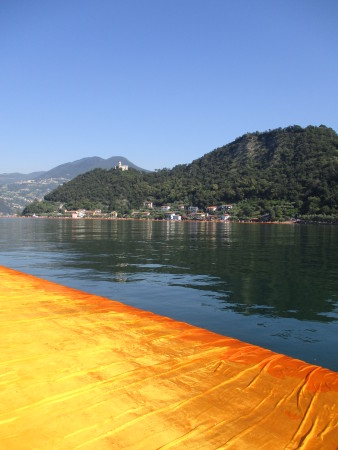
(270, 285)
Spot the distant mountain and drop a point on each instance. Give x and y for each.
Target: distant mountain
(280, 173)
(17, 190)
(72, 169)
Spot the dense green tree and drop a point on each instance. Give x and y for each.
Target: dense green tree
(37, 207)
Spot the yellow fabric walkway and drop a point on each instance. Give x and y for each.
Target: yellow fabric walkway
(81, 371)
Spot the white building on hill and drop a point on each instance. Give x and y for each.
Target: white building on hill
(121, 166)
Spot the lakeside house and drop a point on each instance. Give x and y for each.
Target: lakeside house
(148, 205)
(212, 208)
(165, 207)
(79, 214)
(173, 216)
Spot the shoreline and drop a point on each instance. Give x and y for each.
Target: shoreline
(244, 222)
(251, 222)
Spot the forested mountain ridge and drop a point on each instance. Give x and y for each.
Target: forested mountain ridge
(292, 164)
(282, 172)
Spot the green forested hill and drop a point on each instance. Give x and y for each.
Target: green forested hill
(106, 189)
(282, 172)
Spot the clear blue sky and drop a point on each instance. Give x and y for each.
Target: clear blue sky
(161, 82)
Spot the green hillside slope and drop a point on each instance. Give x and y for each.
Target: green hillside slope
(283, 172)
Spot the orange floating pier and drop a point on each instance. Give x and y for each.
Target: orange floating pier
(80, 371)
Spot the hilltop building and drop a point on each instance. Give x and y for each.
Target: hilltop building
(121, 166)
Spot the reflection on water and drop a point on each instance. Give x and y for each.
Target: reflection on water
(275, 286)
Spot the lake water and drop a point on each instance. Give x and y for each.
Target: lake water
(271, 285)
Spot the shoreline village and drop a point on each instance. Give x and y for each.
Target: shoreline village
(284, 222)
